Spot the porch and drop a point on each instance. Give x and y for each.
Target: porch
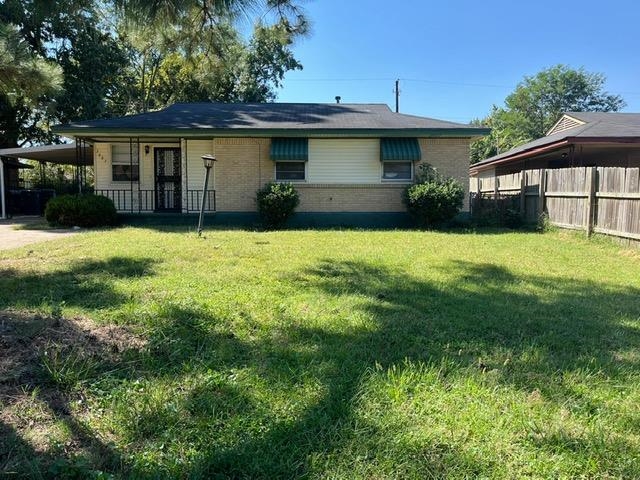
(138, 200)
(152, 175)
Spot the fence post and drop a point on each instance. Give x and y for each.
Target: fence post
(523, 193)
(542, 188)
(592, 181)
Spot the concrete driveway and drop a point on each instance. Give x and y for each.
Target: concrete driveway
(19, 231)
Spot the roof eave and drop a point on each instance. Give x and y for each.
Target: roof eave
(481, 166)
(486, 164)
(269, 132)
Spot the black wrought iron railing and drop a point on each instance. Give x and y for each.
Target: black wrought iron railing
(194, 199)
(147, 201)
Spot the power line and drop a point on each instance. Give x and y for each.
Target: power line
(418, 80)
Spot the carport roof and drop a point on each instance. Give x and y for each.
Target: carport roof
(65, 154)
(592, 127)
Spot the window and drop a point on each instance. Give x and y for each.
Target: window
(290, 171)
(397, 170)
(123, 167)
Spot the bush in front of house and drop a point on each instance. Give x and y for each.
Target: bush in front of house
(434, 199)
(277, 202)
(81, 211)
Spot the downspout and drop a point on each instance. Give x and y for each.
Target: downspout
(4, 205)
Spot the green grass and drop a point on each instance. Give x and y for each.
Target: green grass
(328, 354)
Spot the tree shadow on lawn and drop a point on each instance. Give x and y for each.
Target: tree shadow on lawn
(548, 328)
(86, 284)
(43, 356)
(475, 319)
(45, 360)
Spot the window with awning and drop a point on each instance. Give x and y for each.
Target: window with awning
(289, 149)
(397, 156)
(290, 156)
(400, 150)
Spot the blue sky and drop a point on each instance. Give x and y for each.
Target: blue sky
(455, 59)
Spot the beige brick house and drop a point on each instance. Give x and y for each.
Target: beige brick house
(353, 158)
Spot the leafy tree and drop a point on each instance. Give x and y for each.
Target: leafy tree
(69, 33)
(537, 103)
(113, 63)
(166, 67)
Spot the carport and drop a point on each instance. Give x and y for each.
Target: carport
(79, 154)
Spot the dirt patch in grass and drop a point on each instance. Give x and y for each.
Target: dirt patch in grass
(25, 338)
(41, 367)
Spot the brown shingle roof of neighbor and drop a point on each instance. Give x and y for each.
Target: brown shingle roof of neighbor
(270, 116)
(598, 125)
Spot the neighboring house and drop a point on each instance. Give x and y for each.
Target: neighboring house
(578, 139)
(342, 157)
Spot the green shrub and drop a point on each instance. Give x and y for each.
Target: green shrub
(434, 199)
(81, 211)
(276, 203)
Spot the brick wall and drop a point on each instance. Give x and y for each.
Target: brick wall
(244, 166)
(451, 157)
(351, 198)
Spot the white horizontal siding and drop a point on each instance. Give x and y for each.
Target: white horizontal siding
(195, 168)
(344, 161)
(105, 154)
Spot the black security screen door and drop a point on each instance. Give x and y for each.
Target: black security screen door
(168, 180)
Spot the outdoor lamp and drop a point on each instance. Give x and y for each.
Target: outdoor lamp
(208, 161)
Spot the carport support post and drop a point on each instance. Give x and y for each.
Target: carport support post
(2, 200)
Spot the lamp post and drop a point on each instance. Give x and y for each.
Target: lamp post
(208, 161)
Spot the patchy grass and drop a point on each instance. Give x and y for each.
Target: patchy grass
(320, 354)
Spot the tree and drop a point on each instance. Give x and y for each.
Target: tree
(113, 62)
(166, 66)
(537, 103)
(210, 12)
(23, 73)
(69, 33)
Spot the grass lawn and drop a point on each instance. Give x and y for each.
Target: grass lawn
(320, 354)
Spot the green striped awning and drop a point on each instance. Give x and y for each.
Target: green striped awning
(400, 150)
(289, 149)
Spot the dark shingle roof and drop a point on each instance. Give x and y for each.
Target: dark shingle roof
(252, 117)
(597, 125)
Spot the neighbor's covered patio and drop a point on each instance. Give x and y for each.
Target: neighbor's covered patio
(18, 199)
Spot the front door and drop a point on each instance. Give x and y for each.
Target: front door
(168, 179)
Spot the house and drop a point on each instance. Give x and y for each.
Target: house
(348, 158)
(578, 139)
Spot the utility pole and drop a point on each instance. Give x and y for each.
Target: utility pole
(397, 92)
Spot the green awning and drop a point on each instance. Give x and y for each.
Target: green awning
(289, 149)
(400, 150)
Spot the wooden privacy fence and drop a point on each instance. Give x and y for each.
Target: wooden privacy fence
(595, 199)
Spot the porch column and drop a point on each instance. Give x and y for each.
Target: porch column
(184, 177)
(2, 200)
